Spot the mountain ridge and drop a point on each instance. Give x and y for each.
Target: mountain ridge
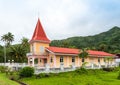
(106, 41)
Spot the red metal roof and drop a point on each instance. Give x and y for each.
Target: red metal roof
(76, 51)
(39, 34)
(63, 50)
(100, 53)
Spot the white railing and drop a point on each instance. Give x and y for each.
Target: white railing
(29, 54)
(14, 64)
(47, 68)
(117, 60)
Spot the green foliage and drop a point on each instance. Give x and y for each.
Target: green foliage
(15, 52)
(18, 53)
(84, 64)
(7, 38)
(83, 53)
(108, 60)
(109, 69)
(42, 75)
(106, 41)
(81, 71)
(13, 75)
(4, 80)
(26, 72)
(118, 75)
(3, 69)
(79, 77)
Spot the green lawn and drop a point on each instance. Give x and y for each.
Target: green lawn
(93, 77)
(5, 81)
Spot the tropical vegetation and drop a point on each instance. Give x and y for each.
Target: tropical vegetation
(78, 77)
(16, 52)
(107, 41)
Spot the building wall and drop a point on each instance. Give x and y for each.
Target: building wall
(78, 61)
(36, 47)
(57, 61)
(68, 61)
(51, 62)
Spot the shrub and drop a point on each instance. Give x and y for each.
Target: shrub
(118, 76)
(26, 72)
(108, 69)
(14, 77)
(81, 71)
(3, 69)
(42, 75)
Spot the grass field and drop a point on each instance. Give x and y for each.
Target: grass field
(92, 77)
(5, 81)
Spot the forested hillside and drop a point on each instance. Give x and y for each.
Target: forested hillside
(108, 41)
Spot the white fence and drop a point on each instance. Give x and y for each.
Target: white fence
(14, 65)
(47, 69)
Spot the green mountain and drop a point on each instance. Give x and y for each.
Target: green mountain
(108, 41)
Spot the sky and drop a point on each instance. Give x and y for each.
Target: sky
(60, 18)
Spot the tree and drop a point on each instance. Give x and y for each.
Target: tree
(108, 60)
(18, 53)
(83, 54)
(102, 47)
(7, 38)
(1, 54)
(25, 42)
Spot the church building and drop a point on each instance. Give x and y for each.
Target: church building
(42, 55)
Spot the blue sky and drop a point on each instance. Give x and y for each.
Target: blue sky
(60, 18)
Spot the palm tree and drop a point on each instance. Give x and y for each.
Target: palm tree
(18, 53)
(7, 38)
(108, 60)
(83, 54)
(25, 42)
(1, 54)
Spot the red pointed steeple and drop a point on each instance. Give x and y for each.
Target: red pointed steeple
(39, 34)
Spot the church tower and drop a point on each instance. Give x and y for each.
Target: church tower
(39, 40)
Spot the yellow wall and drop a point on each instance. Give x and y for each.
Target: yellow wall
(49, 60)
(78, 61)
(67, 61)
(57, 61)
(36, 46)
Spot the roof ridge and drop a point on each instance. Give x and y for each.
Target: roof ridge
(63, 47)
